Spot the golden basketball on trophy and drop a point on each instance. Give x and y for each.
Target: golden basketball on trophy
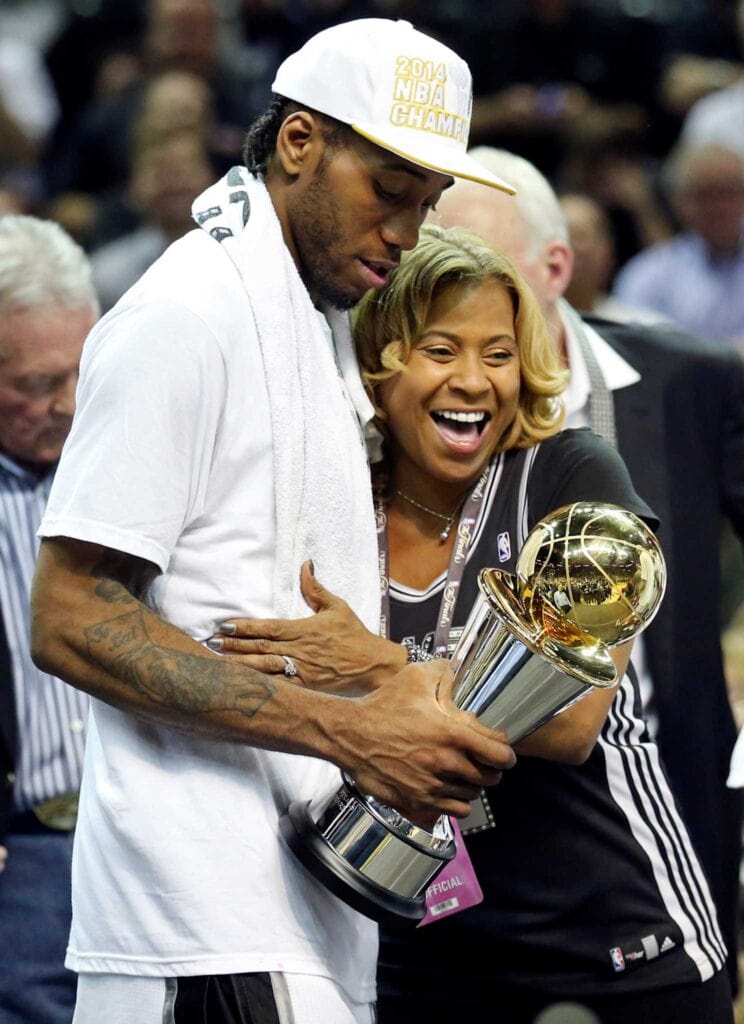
(595, 566)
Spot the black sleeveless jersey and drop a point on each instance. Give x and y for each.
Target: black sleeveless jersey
(588, 875)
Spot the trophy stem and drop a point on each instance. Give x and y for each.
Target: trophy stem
(514, 675)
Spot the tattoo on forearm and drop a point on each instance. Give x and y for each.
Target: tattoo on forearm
(176, 679)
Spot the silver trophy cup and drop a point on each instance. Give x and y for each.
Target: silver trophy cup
(524, 655)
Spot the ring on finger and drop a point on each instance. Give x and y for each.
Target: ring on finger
(290, 669)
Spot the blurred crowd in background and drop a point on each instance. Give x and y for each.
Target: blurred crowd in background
(114, 114)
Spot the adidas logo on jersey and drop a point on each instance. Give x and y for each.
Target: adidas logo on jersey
(667, 944)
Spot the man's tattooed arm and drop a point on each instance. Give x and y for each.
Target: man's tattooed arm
(399, 743)
(147, 666)
(182, 681)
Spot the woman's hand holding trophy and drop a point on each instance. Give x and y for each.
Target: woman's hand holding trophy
(589, 576)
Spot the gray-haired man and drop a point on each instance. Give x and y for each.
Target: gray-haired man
(47, 307)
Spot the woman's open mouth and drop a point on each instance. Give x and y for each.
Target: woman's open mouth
(461, 430)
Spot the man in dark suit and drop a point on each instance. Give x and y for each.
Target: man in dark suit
(675, 409)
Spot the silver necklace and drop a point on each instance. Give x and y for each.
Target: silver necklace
(447, 519)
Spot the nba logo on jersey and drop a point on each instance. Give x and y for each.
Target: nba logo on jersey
(504, 545)
(618, 960)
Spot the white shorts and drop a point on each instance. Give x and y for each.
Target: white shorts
(262, 999)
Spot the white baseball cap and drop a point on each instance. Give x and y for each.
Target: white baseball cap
(395, 86)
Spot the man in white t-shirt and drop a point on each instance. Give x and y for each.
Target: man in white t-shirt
(218, 446)
(675, 410)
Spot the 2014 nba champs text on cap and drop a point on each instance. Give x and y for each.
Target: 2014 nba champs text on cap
(395, 86)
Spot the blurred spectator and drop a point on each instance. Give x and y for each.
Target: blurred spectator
(171, 102)
(545, 70)
(167, 175)
(697, 278)
(590, 237)
(704, 53)
(176, 100)
(108, 33)
(719, 117)
(183, 35)
(622, 180)
(180, 35)
(180, 100)
(26, 90)
(28, 111)
(47, 307)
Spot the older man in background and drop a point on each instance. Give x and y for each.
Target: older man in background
(696, 278)
(47, 307)
(675, 409)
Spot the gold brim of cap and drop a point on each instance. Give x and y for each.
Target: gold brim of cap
(470, 174)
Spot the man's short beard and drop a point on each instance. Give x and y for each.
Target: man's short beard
(338, 299)
(317, 230)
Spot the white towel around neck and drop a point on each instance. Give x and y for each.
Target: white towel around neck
(318, 408)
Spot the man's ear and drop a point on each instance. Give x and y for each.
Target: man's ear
(299, 142)
(559, 263)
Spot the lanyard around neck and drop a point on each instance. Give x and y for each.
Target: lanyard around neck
(463, 538)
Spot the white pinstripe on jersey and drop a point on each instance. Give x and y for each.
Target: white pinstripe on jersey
(637, 783)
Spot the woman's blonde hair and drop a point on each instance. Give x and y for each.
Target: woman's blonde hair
(388, 323)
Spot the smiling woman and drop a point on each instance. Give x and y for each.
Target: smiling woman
(444, 278)
(459, 364)
(465, 380)
(591, 889)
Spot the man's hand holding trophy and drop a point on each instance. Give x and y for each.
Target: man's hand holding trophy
(589, 576)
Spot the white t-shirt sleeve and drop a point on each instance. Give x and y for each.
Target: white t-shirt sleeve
(135, 467)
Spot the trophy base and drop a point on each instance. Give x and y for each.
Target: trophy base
(307, 842)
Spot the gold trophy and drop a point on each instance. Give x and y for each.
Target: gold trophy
(588, 577)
